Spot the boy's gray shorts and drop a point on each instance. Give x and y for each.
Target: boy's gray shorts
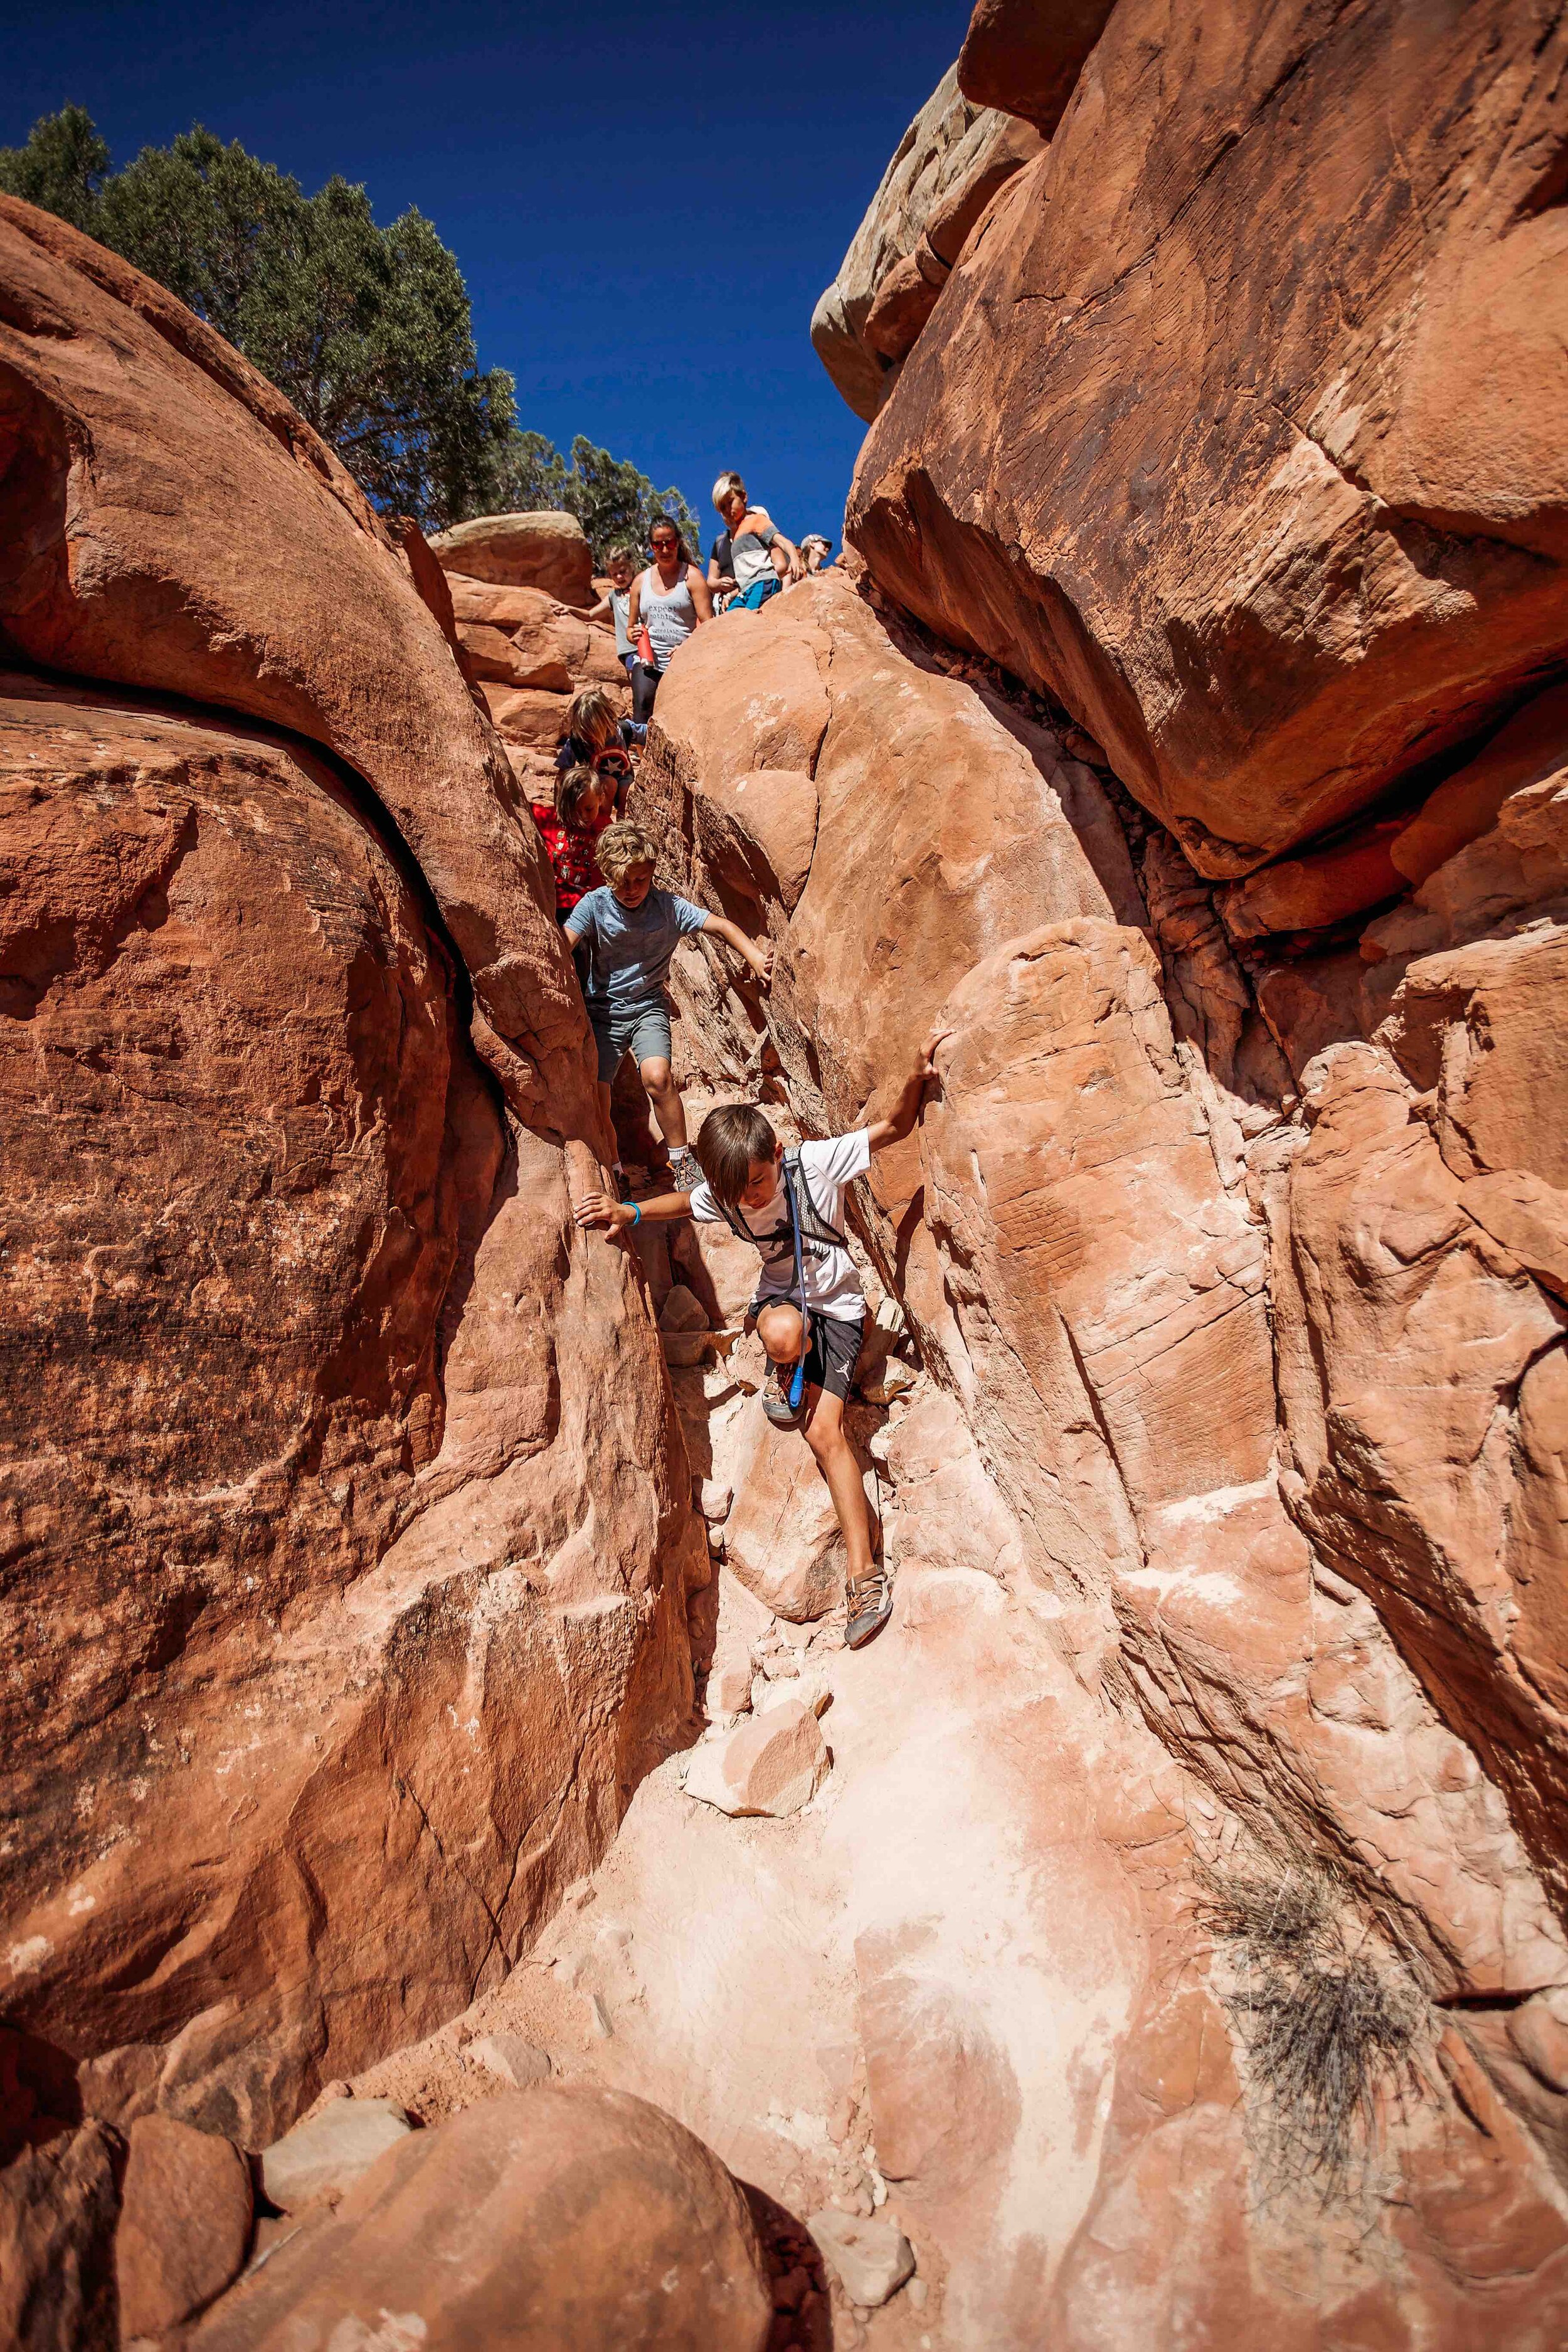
(832, 1348)
(644, 1027)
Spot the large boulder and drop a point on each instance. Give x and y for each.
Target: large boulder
(526, 655)
(1026, 58)
(552, 2219)
(327, 1677)
(548, 550)
(1271, 550)
(948, 164)
(268, 1236)
(168, 522)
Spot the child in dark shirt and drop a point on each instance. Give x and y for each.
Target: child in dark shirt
(596, 738)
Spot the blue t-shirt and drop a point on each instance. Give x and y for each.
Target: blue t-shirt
(629, 948)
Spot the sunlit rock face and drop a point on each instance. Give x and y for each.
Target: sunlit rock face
(1154, 1935)
(342, 1616)
(1236, 427)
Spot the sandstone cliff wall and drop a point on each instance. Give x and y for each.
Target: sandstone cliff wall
(347, 1518)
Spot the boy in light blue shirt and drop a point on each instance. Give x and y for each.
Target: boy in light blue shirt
(631, 931)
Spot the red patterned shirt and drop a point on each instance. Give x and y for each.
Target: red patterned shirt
(572, 853)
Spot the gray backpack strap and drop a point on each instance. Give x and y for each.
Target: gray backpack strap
(813, 1224)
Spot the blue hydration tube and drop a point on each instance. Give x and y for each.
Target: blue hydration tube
(797, 1385)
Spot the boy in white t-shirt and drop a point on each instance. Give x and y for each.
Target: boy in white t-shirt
(742, 1163)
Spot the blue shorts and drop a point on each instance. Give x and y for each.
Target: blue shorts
(644, 1028)
(753, 599)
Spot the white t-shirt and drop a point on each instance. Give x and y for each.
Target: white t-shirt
(832, 1284)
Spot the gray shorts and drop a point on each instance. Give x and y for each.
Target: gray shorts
(832, 1348)
(643, 1027)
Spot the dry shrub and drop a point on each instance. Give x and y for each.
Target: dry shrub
(1328, 2019)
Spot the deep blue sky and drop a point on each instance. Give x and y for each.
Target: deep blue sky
(646, 200)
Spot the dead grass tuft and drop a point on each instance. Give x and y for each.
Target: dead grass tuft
(1333, 2028)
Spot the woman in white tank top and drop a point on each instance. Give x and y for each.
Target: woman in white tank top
(668, 600)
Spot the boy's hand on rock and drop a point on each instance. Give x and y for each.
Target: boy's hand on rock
(598, 1209)
(928, 1050)
(765, 964)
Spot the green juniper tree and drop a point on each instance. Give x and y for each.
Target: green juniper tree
(367, 329)
(613, 501)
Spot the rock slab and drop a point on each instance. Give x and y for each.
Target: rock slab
(326, 2153)
(546, 550)
(772, 1765)
(552, 2220)
(872, 2257)
(185, 2223)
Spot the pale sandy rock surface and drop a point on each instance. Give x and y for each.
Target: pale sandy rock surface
(325, 2155)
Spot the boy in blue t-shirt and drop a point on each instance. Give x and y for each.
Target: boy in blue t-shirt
(630, 932)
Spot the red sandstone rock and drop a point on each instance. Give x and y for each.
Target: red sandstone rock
(1025, 58)
(1319, 543)
(1528, 1217)
(58, 2207)
(218, 550)
(773, 1764)
(1306, 894)
(945, 824)
(185, 2224)
(557, 2218)
(782, 1537)
(546, 551)
(1136, 1454)
(950, 162)
(1530, 750)
(280, 1306)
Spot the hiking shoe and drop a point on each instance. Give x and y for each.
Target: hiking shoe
(870, 1599)
(775, 1397)
(685, 1169)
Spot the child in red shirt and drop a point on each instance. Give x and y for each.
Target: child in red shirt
(584, 806)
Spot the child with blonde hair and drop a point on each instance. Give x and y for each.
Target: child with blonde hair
(596, 738)
(630, 931)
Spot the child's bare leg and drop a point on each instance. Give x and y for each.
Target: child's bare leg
(609, 1122)
(836, 1460)
(782, 1333)
(667, 1107)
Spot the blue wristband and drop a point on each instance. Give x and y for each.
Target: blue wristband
(636, 1213)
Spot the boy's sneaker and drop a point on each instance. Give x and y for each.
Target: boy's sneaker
(870, 1599)
(775, 1397)
(685, 1169)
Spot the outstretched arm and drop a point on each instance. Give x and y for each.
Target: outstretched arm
(912, 1101)
(759, 954)
(598, 1209)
